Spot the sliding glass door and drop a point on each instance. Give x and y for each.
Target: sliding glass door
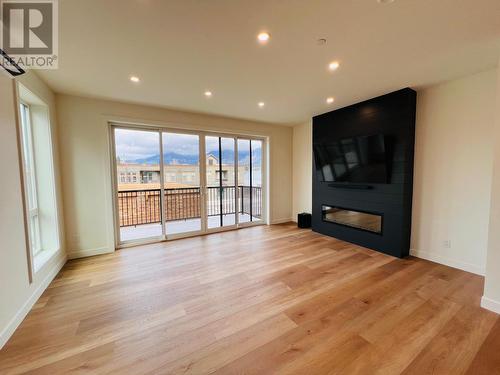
(250, 177)
(138, 188)
(170, 184)
(181, 182)
(221, 182)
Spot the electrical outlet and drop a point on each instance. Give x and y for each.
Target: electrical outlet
(447, 244)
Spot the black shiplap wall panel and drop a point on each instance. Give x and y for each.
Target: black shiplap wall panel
(394, 116)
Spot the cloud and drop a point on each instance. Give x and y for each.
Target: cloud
(186, 144)
(139, 144)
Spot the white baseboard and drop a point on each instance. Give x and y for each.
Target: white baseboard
(25, 309)
(490, 304)
(469, 267)
(281, 221)
(89, 253)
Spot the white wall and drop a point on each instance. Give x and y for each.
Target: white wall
(85, 163)
(491, 298)
(302, 168)
(453, 163)
(17, 295)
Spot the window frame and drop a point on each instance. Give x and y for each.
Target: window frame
(45, 170)
(206, 174)
(30, 180)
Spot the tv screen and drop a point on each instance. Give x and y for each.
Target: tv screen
(358, 160)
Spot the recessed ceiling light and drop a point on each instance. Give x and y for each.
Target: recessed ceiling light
(208, 94)
(263, 37)
(330, 100)
(334, 65)
(385, 1)
(261, 104)
(135, 79)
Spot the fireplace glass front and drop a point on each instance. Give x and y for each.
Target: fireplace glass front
(357, 219)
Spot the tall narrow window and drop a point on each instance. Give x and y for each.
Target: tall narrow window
(39, 178)
(30, 180)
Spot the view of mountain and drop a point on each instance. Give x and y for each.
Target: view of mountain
(168, 158)
(174, 158)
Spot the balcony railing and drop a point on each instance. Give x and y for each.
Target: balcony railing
(137, 207)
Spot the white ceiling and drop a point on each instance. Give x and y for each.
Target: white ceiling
(180, 48)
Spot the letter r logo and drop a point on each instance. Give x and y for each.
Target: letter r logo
(27, 27)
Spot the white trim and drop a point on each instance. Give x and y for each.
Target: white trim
(202, 134)
(181, 126)
(281, 221)
(114, 185)
(162, 187)
(236, 186)
(89, 253)
(33, 102)
(28, 305)
(42, 257)
(433, 257)
(249, 224)
(490, 304)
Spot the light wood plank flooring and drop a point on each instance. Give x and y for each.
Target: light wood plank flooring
(262, 300)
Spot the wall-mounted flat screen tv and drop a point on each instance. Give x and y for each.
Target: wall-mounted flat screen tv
(357, 160)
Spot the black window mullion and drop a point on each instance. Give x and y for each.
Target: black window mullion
(251, 189)
(220, 181)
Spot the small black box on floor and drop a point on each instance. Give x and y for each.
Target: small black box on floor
(304, 220)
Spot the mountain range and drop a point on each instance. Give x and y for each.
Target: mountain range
(175, 158)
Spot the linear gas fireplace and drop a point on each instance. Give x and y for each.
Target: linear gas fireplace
(362, 180)
(371, 222)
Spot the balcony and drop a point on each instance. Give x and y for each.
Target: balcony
(139, 210)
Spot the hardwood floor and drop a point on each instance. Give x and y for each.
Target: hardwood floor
(262, 300)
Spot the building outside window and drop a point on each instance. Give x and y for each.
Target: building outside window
(147, 177)
(224, 175)
(171, 177)
(188, 177)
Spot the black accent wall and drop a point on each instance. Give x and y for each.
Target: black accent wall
(392, 115)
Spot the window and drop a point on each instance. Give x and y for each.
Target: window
(38, 178)
(224, 175)
(30, 180)
(147, 177)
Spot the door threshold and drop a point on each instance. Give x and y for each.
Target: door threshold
(187, 235)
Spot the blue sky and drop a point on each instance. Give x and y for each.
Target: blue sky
(138, 144)
(134, 144)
